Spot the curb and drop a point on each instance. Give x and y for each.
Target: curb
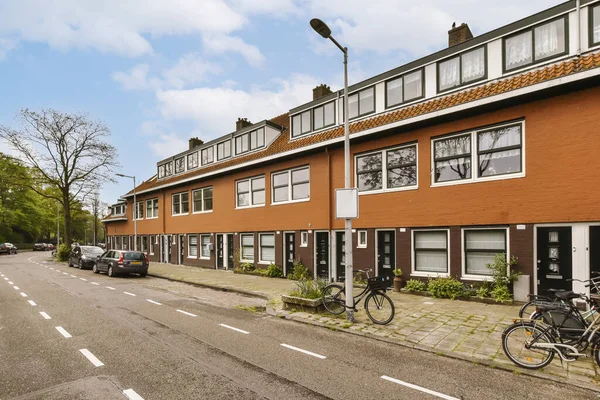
(559, 380)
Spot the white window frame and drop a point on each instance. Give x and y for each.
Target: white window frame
(424, 274)
(461, 80)
(591, 10)
(250, 182)
(189, 243)
(136, 210)
(289, 186)
(476, 277)
(203, 247)
(224, 146)
(260, 260)
(202, 211)
(190, 156)
(180, 204)
(151, 244)
(152, 202)
(361, 244)
(183, 162)
(475, 157)
(144, 243)
(124, 243)
(247, 138)
(304, 239)
(210, 155)
(384, 171)
(122, 208)
(242, 247)
(161, 171)
(168, 169)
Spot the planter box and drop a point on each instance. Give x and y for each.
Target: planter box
(300, 303)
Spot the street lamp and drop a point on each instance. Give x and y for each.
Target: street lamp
(134, 211)
(322, 29)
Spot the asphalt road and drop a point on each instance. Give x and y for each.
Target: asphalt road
(71, 334)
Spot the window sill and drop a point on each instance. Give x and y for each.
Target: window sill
(245, 207)
(479, 278)
(360, 246)
(204, 258)
(304, 245)
(180, 215)
(280, 203)
(477, 180)
(381, 191)
(266, 262)
(193, 258)
(202, 212)
(247, 261)
(429, 274)
(151, 217)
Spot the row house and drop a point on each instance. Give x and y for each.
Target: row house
(488, 146)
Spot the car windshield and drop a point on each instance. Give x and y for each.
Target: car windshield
(134, 255)
(92, 250)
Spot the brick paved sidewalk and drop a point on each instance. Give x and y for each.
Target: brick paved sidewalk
(460, 329)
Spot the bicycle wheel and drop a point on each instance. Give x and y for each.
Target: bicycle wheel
(516, 341)
(334, 298)
(527, 310)
(381, 309)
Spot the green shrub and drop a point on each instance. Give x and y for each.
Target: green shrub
(300, 271)
(445, 288)
(501, 294)
(63, 253)
(415, 285)
(503, 274)
(309, 289)
(247, 267)
(274, 271)
(360, 278)
(483, 290)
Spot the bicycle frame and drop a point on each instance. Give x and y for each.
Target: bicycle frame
(356, 299)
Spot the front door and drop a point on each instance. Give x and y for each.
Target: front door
(322, 249)
(169, 247)
(181, 248)
(386, 252)
(230, 263)
(594, 248)
(220, 251)
(554, 259)
(340, 256)
(289, 253)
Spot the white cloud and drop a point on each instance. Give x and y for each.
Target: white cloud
(274, 7)
(135, 79)
(223, 44)
(166, 144)
(6, 45)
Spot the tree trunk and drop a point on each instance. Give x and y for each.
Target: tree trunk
(67, 214)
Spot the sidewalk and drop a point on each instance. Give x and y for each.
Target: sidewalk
(460, 329)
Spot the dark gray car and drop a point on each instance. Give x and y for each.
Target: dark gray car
(117, 262)
(84, 257)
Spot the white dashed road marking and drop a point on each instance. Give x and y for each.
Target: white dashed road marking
(132, 395)
(46, 316)
(154, 302)
(234, 329)
(186, 313)
(73, 276)
(95, 283)
(63, 332)
(23, 294)
(5, 279)
(91, 357)
(32, 302)
(129, 294)
(419, 388)
(65, 273)
(10, 282)
(83, 279)
(16, 287)
(310, 353)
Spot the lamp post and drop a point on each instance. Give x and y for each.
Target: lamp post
(134, 211)
(57, 227)
(322, 29)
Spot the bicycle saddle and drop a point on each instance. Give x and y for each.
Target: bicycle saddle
(566, 295)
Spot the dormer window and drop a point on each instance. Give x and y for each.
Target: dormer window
(119, 210)
(250, 141)
(180, 165)
(324, 115)
(301, 124)
(207, 155)
(535, 44)
(460, 70)
(192, 160)
(594, 25)
(404, 88)
(361, 103)
(161, 171)
(168, 169)
(223, 150)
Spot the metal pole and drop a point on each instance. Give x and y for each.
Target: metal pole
(348, 222)
(135, 218)
(57, 226)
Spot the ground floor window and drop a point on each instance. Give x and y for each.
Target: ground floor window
(151, 244)
(124, 243)
(267, 248)
(193, 246)
(481, 246)
(205, 242)
(247, 244)
(431, 251)
(145, 244)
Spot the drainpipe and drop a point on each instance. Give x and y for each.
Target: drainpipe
(328, 189)
(578, 8)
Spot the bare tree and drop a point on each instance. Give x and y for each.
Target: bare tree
(67, 152)
(96, 206)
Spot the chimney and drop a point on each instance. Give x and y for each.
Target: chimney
(459, 34)
(320, 91)
(195, 142)
(242, 123)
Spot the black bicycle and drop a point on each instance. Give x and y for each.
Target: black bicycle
(378, 305)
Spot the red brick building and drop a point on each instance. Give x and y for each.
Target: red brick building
(488, 146)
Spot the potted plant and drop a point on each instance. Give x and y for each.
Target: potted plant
(399, 281)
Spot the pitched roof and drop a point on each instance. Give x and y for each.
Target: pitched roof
(283, 142)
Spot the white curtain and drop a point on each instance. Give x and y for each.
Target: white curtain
(430, 240)
(413, 86)
(204, 242)
(193, 242)
(431, 262)
(267, 248)
(550, 39)
(518, 50)
(499, 138)
(449, 74)
(473, 65)
(596, 24)
(248, 247)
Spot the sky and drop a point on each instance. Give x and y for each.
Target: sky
(158, 72)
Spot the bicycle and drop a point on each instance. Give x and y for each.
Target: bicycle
(379, 307)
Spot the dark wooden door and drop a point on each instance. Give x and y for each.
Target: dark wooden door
(340, 256)
(322, 250)
(220, 251)
(594, 249)
(554, 259)
(181, 249)
(230, 251)
(290, 252)
(386, 253)
(169, 247)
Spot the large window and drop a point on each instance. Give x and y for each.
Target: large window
(192, 160)
(165, 170)
(151, 244)
(267, 247)
(465, 68)
(151, 208)
(181, 203)
(536, 44)
(192, 246)
(207, 155)
(119, 210)
(145, 244)
(292, 185)
(361, 103)
(301, 123)
(398, 172)
(495, 151)
(205, 246)
(594, 25)
(431, 252)
(403, 89)
(247, 245)
(180, 165)
(250, 192)
(223, 150)
(161, 171)
(250, 141)
(203, 200)
(481, 246)
(138, 210)
(324, 115)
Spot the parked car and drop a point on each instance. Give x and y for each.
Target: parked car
(8, 248)
(84, 257)
(117, 262)
(39, 247)
(50, 246)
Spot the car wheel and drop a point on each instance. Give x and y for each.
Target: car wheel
(110, 272)
(70, 265)
(95, 269)
(143, 274)
(80, 264)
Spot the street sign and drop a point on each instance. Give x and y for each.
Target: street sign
(346, 203)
